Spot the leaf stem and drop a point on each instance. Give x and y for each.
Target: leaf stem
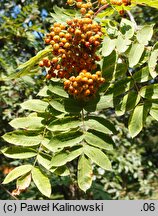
(83, 122)
(43, 135)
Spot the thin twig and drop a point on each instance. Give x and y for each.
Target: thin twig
(14, 197)
(132, 19)
(101, 8)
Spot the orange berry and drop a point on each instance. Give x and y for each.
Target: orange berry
(56, 46)
(83, 10)
(41, 64)
(55, 60)
(47, 40)
(56, 24)
(87, 92)
(48, 76)
(98, 73)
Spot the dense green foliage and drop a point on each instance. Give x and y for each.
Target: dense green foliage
(106, 146)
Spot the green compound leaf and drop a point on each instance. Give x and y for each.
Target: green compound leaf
(35, 105)
(127, 28)
(99, 103)
(43, 92)
(62, 171)
(135, 54)
(41, 181)
(137, 119)
(108, 46)
(121, 69)
(99, 124)
(57, 89)
(64, 157)
(145, 34)
(98, 157)
(84, 174)
(72, 106)
(150, 92)
(28, 66)
(22, 138)
(64, 124)
(122, 86)
(152, 63)
(142, 75)
(63, 140)
(17, 172)
(151, 3)
(122, 43)
(57, 106)
(45, 160)
(28, 123)
(108, 66)
(128, 102)
(154, 111)
(96, 141)
(19, 152)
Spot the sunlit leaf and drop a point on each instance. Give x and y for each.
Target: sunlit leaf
(35, 105)
(15, 173)
(84, 174)
(98, 157)
(64, 157)
(19, 152)
(22, 138)
(41, 181)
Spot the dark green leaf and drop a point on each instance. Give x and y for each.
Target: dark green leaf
(128, 102)
(150, 91)
(62, 171)
(108, 67)
(142, 75)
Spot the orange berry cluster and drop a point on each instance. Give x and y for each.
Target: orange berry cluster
(85, 85)
(74, 47)
(83, 6)
(120, 2)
